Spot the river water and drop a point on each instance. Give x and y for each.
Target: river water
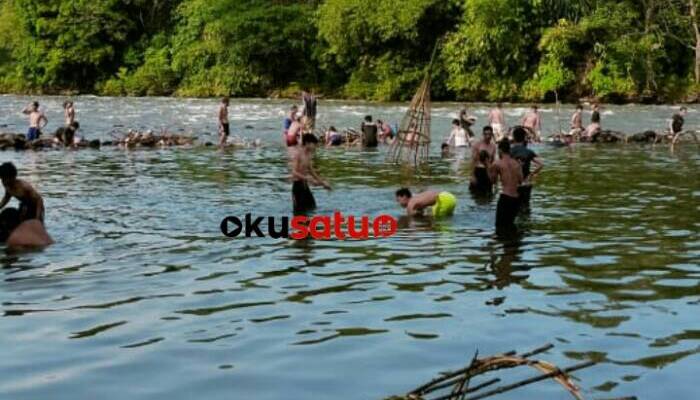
(143, 298)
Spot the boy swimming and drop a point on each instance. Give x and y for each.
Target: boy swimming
(443, 203)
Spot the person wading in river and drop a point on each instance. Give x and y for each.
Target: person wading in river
(532, 121)
(526, 157)
(303, 172)
(68, 113)
(31, 204)
(309, 118)
(369, 132)
(483, 155)
(677, 121)
(36, 117)
(443, 203)
(16, 233)
(510, 173)
(458, 136)
(224, 127)
(595, 127)
(576, 125)
(497, 121)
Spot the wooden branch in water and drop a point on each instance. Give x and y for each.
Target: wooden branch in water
(534, 379)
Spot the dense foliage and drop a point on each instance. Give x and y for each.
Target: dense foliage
(371, 49)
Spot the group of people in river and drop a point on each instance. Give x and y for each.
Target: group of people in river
(502, 155)
(508, 161)
(65, 135)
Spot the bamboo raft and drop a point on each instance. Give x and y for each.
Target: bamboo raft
(460, 385)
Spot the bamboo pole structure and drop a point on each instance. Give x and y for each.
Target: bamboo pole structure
(412, 143)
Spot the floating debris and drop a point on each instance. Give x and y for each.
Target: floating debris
(457, 385)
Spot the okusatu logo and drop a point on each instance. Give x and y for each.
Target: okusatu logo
(318, 227)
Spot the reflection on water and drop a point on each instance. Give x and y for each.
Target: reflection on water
(142, 297)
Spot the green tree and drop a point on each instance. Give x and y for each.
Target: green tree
(383, 46)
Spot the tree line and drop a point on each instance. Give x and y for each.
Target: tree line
(490, 50)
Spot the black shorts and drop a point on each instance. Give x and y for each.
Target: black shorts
(524, 193)
(302, 198)
(226, 129)
(507, 210)
(483, 181)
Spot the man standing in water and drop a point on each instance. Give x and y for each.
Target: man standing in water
(303, 172)
(526, 157)
(443, 203)
(677, 122)
(510, 173)
(576, 125)
(369, 132)
(309, 119)
(595, 127)
(458, 137)
(36, 118)
(483, 155)
(467, 121)
(68, 113)
(224, 128)
(533, 121)
(497, 121)
(31, 204)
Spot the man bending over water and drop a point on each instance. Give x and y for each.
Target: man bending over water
(303, 172)
(31, 204)
(509, 171)
(36, 118)
(443, 203)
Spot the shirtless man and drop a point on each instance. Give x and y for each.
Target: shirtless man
(36, 118)
(68, 113)
(526, 157)
(595, 126)
(483, 155)
(533, 121)
(303, 172)
(443, 203)
(295, 130)
(224, 128)
(510, 173)
(497, 121)
(31, 204)
(386, 133)
(29, 233)
(576, 125)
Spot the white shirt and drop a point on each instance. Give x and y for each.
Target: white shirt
(459, 135)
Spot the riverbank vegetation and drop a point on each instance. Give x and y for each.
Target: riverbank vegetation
(511, 50)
